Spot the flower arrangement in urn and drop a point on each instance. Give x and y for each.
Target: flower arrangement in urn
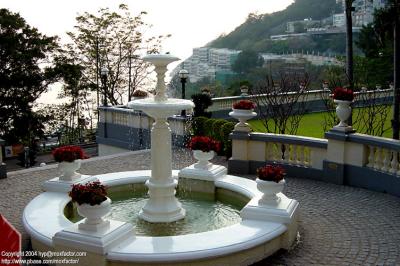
(138, 93)
(92, 193)
(244, 105)
(205, 144)
(343, 97)
(93, 204)
(269, 172)
(68, 154)
(203, 150)
(270, 181)
(69, 159)
(343, 94)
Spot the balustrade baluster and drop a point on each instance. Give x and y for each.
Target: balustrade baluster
(294, 154)
(386, 160)
(371, 157)
(300, 158)
(378, 158)
(394, 163)
(285, 152)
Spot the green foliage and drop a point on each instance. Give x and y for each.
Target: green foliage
(225, 130)
(26, 70)
(217, 129)
(254, 33)
(376, 42)
(198, 125)
(246, 61)
(201, 101)
(208, 127)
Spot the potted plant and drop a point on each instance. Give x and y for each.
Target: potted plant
(93, 204)
(270, 181)
(69, 161)
(343, 98)
(139, 94)
(243, 110)
(203, 150)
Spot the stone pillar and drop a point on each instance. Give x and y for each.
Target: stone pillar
(337, 156)
(162, 205)
(3, 169)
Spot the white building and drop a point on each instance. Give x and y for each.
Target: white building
(205, 62)
(339, 20)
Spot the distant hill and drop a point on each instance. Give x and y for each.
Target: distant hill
(255, 32)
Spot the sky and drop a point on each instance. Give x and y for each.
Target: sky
(191, 23)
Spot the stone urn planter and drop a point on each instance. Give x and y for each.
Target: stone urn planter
(242, 115)
(94, 215)
(203, 159)
(270, 189)
(343, 111)
(68, 170)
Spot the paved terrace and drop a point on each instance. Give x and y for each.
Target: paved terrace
(338, 225)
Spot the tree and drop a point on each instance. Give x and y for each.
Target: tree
(246, 61)
(284, 103)
(26, 71)
(114, 40)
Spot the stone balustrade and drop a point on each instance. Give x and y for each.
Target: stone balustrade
(350, 159)
(121, 129)
(314, 100)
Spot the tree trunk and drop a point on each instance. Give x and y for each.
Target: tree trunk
(396, 74)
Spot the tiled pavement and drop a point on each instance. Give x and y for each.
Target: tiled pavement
(338, 225)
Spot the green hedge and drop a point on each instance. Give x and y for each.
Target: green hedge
(218, 129)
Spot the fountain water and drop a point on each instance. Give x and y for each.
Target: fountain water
(162, 205)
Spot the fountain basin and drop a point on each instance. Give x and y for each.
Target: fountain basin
(242, 243)
(161, 109)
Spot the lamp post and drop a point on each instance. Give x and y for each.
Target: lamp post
(104, 74)
(183, 74)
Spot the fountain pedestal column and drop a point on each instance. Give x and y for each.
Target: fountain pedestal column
(162, 205)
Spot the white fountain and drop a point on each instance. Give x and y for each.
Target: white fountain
(264, 226)
(162, 205)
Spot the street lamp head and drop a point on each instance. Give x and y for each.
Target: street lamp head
(104, 72)
(183, 74)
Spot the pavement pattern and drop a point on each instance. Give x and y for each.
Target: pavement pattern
(338, 225)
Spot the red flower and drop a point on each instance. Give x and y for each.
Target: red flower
(93, 193)
(269, 172)
(244, 105)
(343, 94)
(204, 144)
(68, 154)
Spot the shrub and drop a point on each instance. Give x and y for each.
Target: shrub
(202, 102)
(225, 130)
(198, 125)
(208, 129)
(216, 129)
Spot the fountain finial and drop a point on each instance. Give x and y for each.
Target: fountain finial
(160, 61)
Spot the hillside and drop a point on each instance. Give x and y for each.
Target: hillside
(255, 32)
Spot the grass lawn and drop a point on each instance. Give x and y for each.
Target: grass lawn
(311, 125)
